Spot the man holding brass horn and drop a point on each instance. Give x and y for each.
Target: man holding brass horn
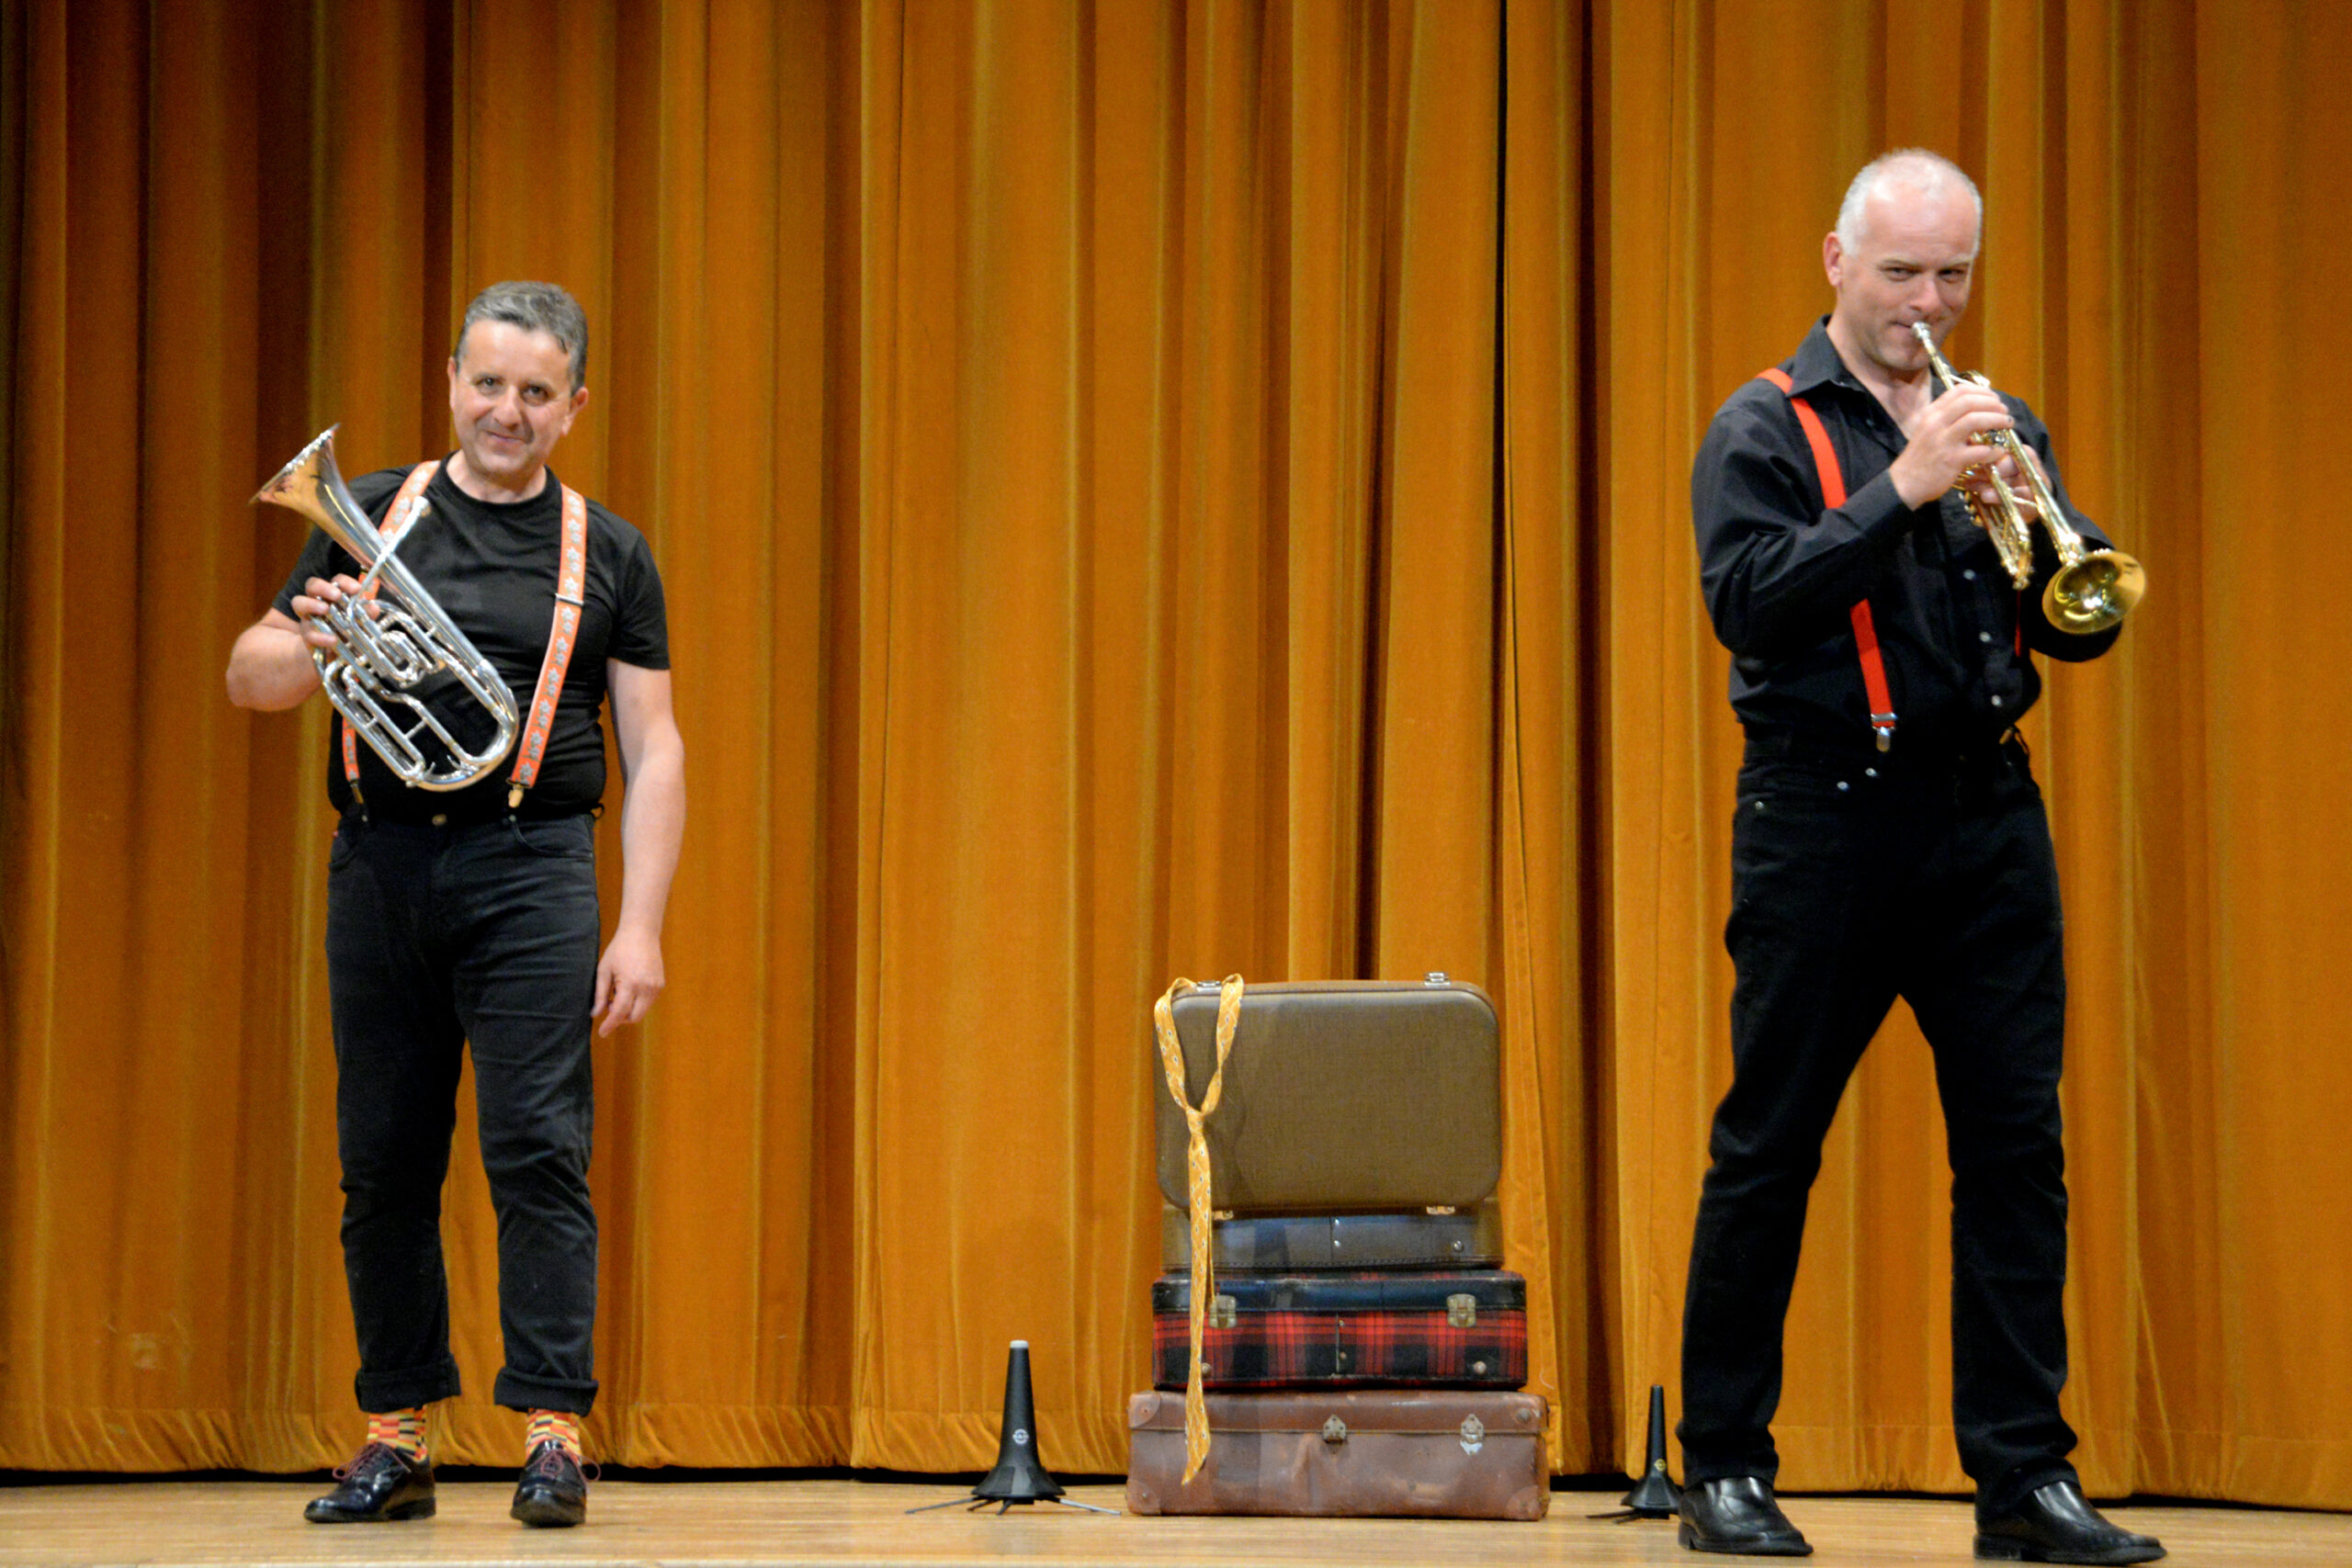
(1890, 842)
(461, 889)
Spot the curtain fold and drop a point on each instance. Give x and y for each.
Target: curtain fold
(1147, 487)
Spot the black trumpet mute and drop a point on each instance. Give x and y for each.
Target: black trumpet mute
(1654, 1496)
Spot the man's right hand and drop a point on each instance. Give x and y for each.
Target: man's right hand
(271, 667)
(312, 604)
(1947, 440)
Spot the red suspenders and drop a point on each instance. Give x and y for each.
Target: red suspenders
(572, 576)
(1833, 492)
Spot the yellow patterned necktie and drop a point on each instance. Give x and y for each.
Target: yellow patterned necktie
(1171, 1059)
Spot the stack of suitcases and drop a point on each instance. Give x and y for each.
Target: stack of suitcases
(1362, 1348)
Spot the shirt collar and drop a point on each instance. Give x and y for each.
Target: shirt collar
(1816, 364)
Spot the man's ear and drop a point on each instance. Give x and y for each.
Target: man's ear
(1833, 258)
(572, 407)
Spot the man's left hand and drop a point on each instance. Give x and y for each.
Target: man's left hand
(628, 978)
(2004, 473)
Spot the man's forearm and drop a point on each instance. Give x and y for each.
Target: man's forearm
(653, 824)
(270, 669)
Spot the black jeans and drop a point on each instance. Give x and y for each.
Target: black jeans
(1857, 878)
(438, 938)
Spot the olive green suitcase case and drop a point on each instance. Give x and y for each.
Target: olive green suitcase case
(1341, 1097)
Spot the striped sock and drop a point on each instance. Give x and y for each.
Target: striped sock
(552, 1427)
(402, 1430)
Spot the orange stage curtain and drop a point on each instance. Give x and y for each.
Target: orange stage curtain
(1145, 488)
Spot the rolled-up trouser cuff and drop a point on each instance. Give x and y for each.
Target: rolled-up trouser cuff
(518, 1391)
(381, 1393)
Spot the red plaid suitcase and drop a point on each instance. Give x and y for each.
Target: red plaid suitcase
(1458, 1328)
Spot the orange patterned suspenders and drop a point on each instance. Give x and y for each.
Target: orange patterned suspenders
(571, 579)
(411, 494)
(1833, 492)
(571, 576)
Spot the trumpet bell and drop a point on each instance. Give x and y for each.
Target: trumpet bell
(2093, 592)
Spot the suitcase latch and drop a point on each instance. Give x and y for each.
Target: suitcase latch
(1224, 1312)
(1473, 1433)
(1462, 1311)
(1335, 1431)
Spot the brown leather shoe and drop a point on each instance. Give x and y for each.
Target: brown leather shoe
(382, 1483)
(1736, 1514)
(553, 1490)
(2057, 1524)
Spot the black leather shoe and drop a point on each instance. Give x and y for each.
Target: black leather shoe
(552, 1491)
(2055, 1525)
(1736, 1514)
(381, 1484)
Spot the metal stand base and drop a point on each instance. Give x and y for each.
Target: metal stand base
(975, 1502)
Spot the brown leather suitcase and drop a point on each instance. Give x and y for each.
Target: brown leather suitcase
(1362, 1454)
(1285, 1243)
(1344, 1096)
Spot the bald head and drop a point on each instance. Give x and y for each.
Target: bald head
(1902, 255)
(1909, 172)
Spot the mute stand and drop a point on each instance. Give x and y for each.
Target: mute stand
(1020, 1476)
(1654, 1495)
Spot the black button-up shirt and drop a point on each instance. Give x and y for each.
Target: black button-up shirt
(1781, 572)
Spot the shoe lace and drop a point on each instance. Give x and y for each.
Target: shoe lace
(550, 1458)
(360, 1460)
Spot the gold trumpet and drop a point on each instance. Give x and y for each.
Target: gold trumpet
(2092, 590)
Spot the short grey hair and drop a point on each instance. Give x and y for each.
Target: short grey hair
(1912, 166)
(535, 308)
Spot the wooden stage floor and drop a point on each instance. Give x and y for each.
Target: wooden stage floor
(847, 1521)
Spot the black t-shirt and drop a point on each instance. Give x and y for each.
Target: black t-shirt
(491, 567)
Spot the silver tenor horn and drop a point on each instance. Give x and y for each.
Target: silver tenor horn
(380, 659)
